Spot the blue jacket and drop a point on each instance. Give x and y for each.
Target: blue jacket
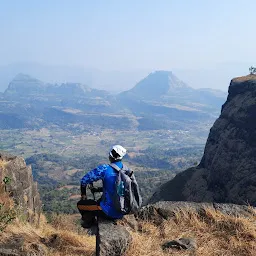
(108, 175)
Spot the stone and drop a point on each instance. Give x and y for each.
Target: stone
(112, 239)
(38, 250)
(181, 243)
(9, 252)
(53, 241)
(14, 242)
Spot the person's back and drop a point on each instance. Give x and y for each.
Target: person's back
(108, 175)
(109, 188)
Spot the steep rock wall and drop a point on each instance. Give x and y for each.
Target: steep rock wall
(227, 171)
(16, 180)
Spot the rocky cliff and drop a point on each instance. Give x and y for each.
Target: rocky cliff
(227, 171)
(17, 181)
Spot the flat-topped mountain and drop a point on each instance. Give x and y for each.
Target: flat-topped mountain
(25, 85)
(227, 171)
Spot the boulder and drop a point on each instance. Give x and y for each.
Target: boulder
(112, 239)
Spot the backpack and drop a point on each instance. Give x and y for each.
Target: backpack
(127, 198)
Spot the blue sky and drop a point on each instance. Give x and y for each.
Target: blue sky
(110, 34)
(205, 42)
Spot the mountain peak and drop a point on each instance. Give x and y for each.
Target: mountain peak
(161, 72)
(23, 84)
(22, 76)
(157, 84)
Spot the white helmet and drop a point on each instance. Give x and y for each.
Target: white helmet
(117, 152)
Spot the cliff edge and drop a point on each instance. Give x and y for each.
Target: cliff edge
(226, 173)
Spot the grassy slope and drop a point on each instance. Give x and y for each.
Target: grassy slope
(217, 234)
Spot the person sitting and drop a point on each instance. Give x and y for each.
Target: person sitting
(104, 208)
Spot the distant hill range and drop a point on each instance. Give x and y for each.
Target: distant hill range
(159, 101)
(24, 85)
(165, 89)
(226, 173)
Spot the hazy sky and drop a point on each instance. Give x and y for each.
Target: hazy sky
(128, 34)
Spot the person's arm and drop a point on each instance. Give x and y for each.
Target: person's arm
(94, 175)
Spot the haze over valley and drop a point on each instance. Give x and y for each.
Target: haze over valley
(64, 129)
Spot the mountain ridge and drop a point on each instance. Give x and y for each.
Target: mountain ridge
(24, 84)
(174, 82)
(176, 102)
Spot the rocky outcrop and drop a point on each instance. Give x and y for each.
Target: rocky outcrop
(17, 181)
(166, 210)
(227, 170)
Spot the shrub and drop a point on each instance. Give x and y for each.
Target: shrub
(6, 216)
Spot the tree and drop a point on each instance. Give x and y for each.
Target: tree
(252, 70)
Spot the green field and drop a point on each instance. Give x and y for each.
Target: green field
(60, 157)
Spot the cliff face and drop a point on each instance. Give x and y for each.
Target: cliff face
(16, 180)
(227, 171)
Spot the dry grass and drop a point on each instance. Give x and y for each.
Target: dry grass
(216, 234)
(62, 238)
(7, 211)
(2, 163)
(5, 199)
(244, 78)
